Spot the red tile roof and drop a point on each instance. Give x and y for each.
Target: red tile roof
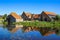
(29, 15)
(15, 15)
(50, 13)
(36, 15)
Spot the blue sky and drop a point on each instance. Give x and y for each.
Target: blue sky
(33, 6)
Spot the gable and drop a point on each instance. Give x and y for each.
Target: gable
(13, 14)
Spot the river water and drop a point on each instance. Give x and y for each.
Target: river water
(17, 33)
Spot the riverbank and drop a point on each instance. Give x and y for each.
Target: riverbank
(55, 24)
(41, 26)
(40, 23)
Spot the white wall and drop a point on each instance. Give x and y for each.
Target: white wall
(19, 20)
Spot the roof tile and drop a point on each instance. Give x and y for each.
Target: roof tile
(50, 13)
(15, 15)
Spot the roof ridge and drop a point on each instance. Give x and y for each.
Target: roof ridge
(15, 15)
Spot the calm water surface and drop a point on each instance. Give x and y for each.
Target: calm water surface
(17, 33)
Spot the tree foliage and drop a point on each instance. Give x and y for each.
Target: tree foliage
(4, 16)
(57, 17)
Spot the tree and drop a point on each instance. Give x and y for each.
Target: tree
(4, 16)
(57, 17)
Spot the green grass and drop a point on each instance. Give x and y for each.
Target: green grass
(40, 24)
(1, 21)
(55, 24)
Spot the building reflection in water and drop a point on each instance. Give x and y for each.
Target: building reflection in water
(43, 31)
(14, 28)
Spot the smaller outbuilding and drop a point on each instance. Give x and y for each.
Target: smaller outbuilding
(13, 17)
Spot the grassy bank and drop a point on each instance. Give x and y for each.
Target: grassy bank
(55, 24)
(40, 24)
(1, 21)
